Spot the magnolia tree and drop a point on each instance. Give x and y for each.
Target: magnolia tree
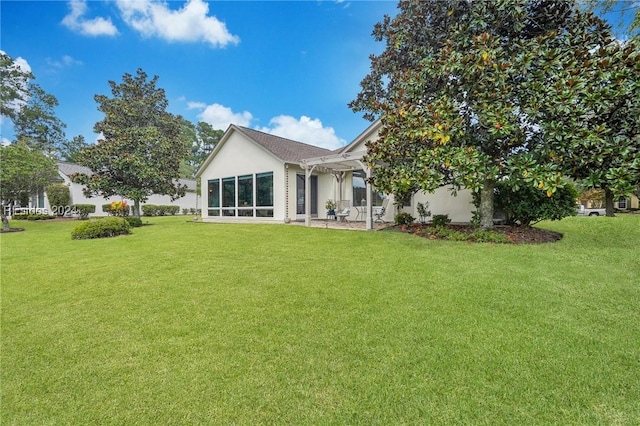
(463, 89)
(142, 149)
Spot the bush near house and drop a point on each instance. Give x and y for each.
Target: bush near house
(59, 196)
(101, 228)
(83, 210)
(32, 216)
(162, 210)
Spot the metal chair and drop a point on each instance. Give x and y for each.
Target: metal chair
(380, 212)
(343, 210)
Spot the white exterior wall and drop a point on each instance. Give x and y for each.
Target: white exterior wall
(459, 208)
(239, 156)
(78, 197)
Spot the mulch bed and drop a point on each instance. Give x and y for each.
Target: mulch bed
(515, 234)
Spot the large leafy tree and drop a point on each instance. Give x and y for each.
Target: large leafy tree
(24, 171)
(595, 123)
(201, 138)
(454, 88)
(142, 148)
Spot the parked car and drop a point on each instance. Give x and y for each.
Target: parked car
(583, 211)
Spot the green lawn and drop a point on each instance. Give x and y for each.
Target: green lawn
(191, 323)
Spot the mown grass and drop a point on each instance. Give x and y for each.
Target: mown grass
(191, 323)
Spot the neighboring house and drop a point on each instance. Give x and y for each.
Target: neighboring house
(255, 176)
(627, 203)
(66, 170)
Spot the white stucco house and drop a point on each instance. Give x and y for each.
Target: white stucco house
(40, 202)
(256, 176)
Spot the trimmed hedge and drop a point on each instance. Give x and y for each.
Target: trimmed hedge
(83, 210)
(154, 210)
(32, 216)
(134, 222)
(101, 228)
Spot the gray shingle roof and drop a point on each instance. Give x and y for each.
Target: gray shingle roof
(285, 149)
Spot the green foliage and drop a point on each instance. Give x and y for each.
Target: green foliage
(71, 151)
(201, 139)
(141, 151)
(134, 222)
(150, 210)
(85, 209)
(423, 212)
(13, 86)
(469, 93)
(404, 218)
(526, 205)
(32, 216)
(101, 228)
(160, 210)
(24, 171)
(60, 196)
(440, 219)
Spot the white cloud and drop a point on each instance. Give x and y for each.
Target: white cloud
(220, 116)
(305, 130)
(75, 21)
(189, 24)
(65, 61)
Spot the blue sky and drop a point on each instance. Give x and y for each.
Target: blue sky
(288, 67)
(285, 67)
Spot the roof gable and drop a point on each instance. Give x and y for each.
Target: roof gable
(285, 150)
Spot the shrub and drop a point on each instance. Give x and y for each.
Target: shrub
(134, 222)
(59, 198)
(185, 211)
(32, 216)
(149, 210)
(441, 220)
(101, 228)
(106, 208)
(404, 218)
(525, 204)
(174, 210)
(423, 212)
(84, 209)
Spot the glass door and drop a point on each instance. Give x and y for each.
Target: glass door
(300, 189)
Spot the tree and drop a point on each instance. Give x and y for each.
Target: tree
(454, 91)
(600, 107)
(201, 138)
(13, 86)
(71, 150)
(36, 123)
(24, 171)
(141, 150)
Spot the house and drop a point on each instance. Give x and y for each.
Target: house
(255, 176)
(40, 201)
(630, 202)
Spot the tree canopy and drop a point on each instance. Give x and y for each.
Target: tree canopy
(24, 171)
(201, 138)
(141, 151)
(462, 90)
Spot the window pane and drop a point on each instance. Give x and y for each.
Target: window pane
(264, 189)
(245, 191)
(245, 212)
(214, 212)
(360, 190)
(229, 192)
(228, 212)
(214, 193)
(264, 212)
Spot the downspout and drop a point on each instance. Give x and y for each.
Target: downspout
(286, 194)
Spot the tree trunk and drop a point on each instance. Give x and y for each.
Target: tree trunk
(5, 221)
(136, 208)
(608, 202)
(486, 204)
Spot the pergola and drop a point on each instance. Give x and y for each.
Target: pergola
(338, 164)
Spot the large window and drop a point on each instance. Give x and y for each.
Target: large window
(241, 196)
(229, 196)
(213, 194)
(622, 203)
(360, 190)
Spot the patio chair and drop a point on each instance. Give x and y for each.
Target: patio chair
(380, 212)
(343, 210)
